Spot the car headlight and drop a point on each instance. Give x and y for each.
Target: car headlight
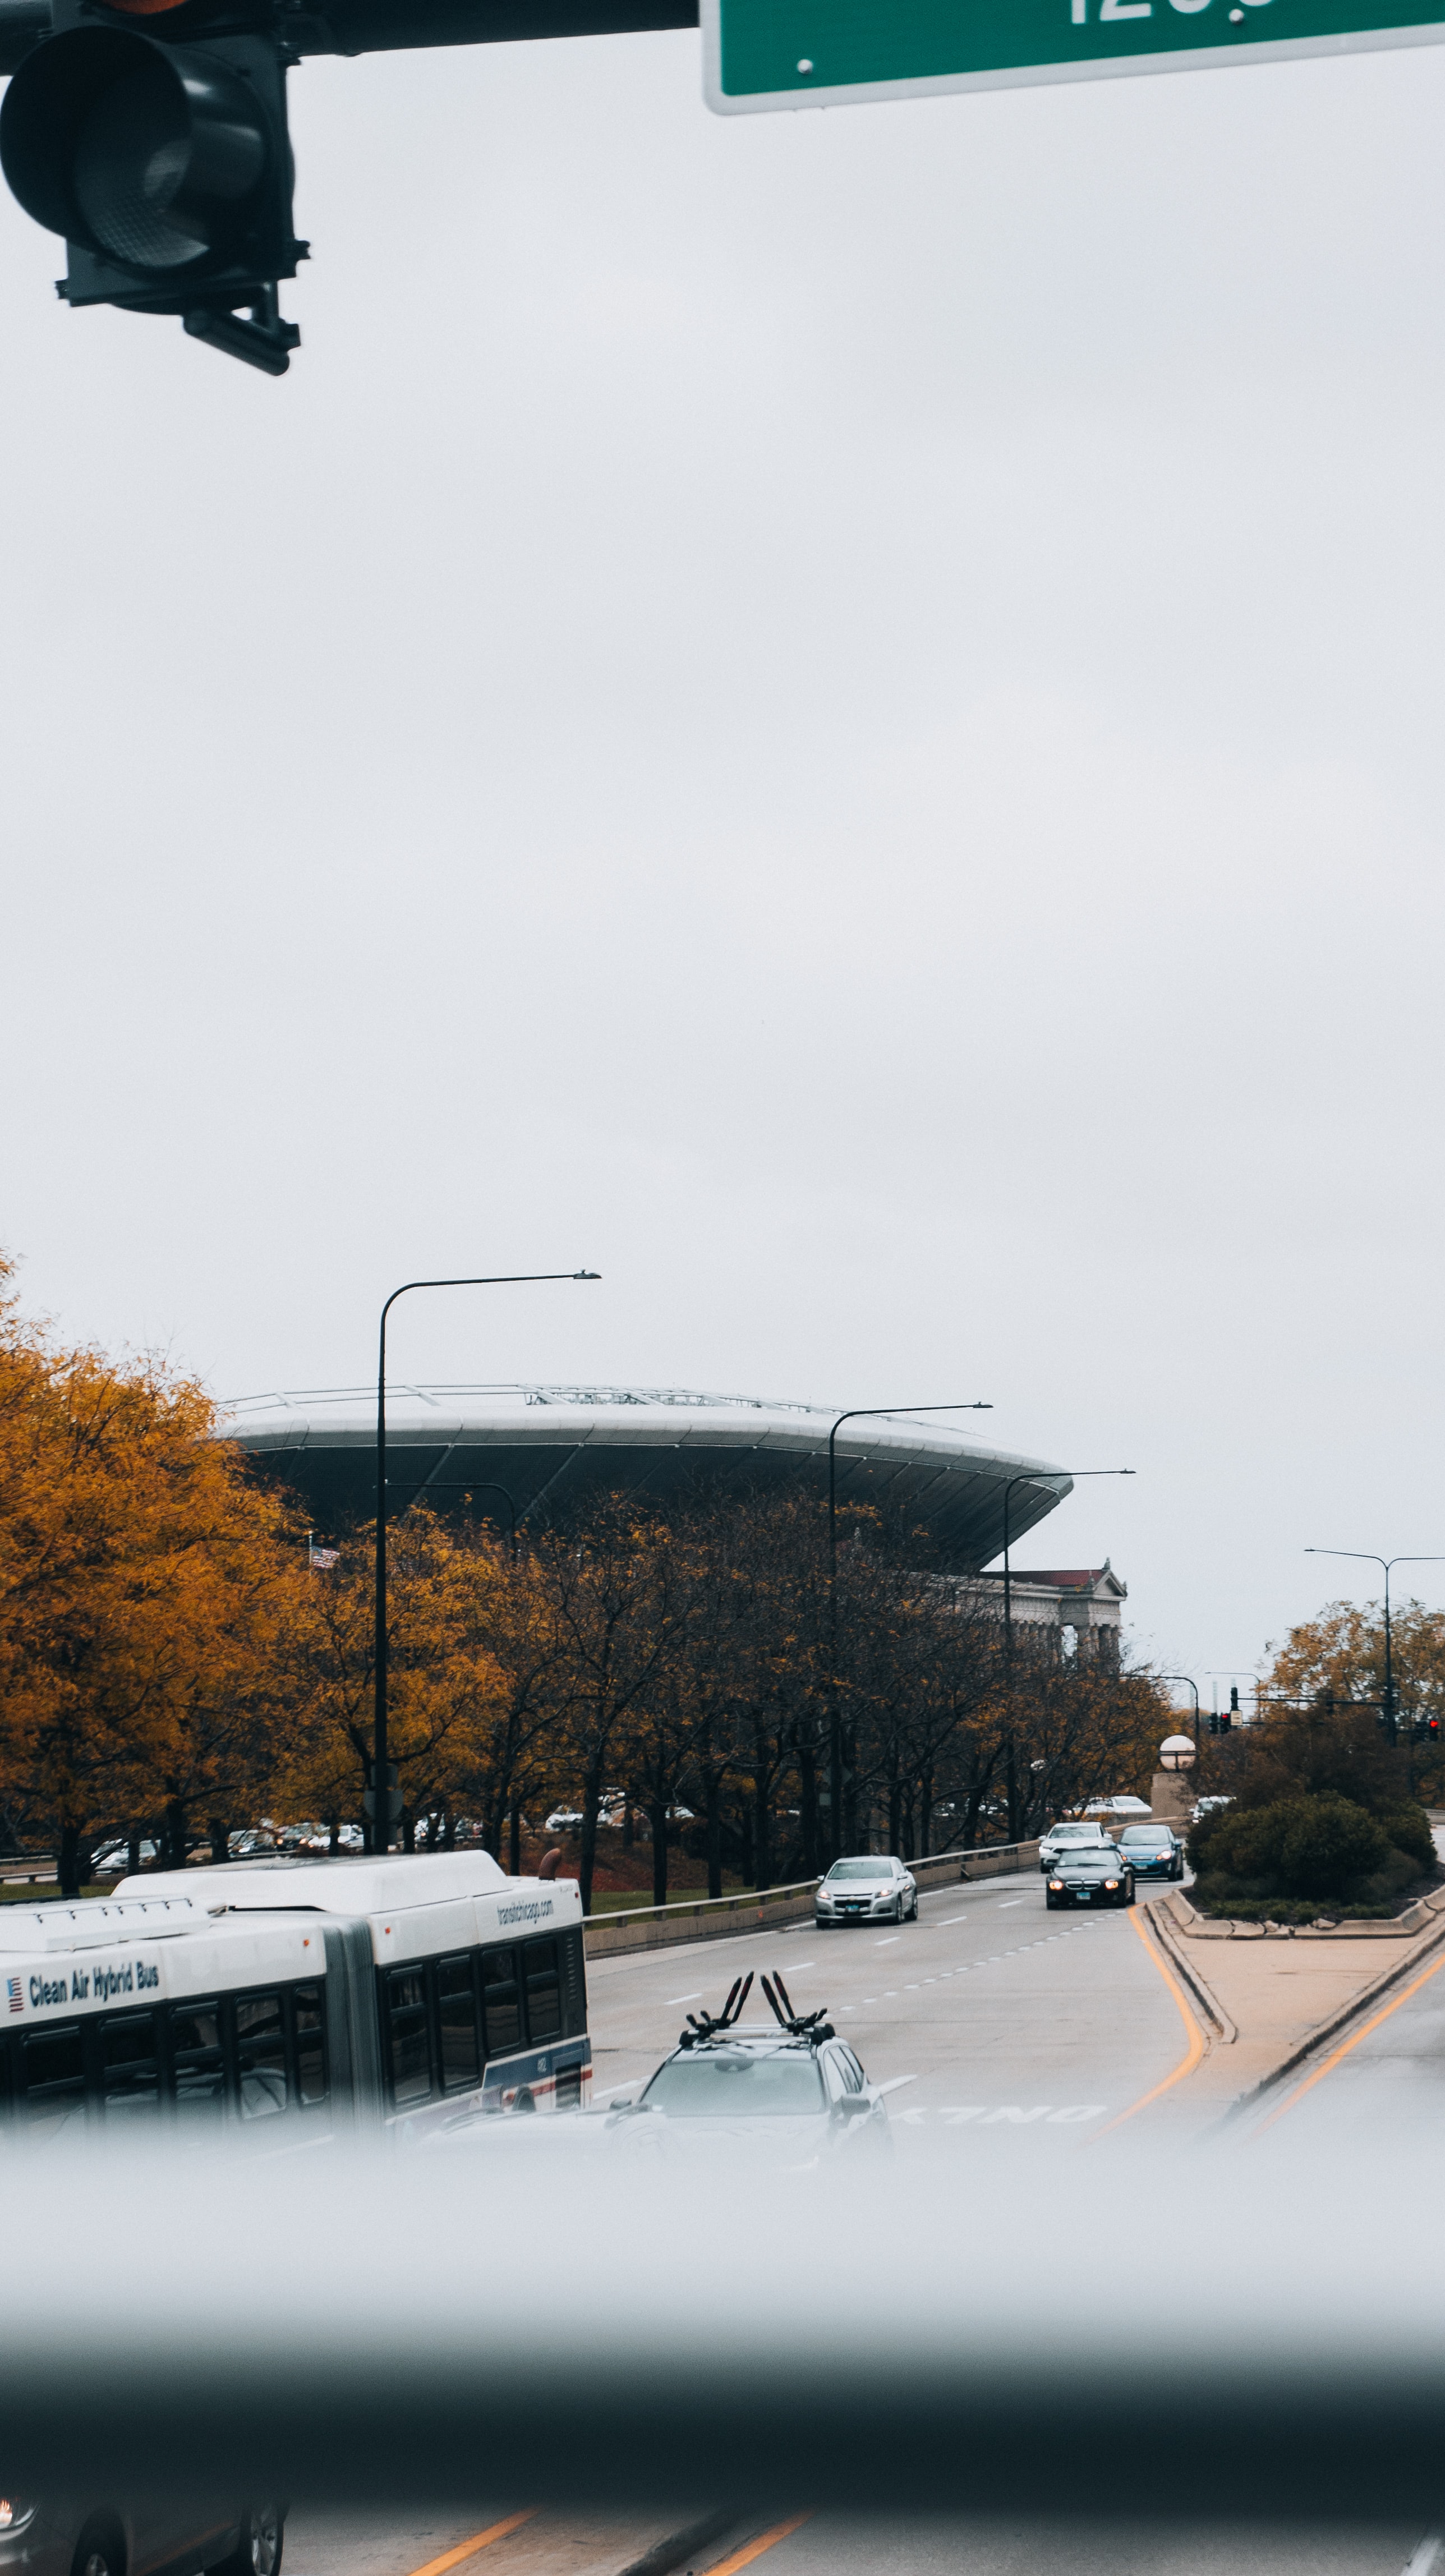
(1111, 1882)
(1056, 1887)
(15, 2511)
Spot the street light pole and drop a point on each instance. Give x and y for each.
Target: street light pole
(1033, 1476)
(1363, 1556)
(856, 1413)
(380, 1783)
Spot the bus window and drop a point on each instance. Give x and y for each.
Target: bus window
(457, 2014)
(130, 2066)
(310, 2046)
(261, 2054)
(53, 2066)
(544, 1994)
(200, 2068)
(406, 2018)
(499, 1996)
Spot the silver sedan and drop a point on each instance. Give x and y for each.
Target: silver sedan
(869, 1890)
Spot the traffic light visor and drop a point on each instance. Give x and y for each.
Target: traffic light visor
(149, 154)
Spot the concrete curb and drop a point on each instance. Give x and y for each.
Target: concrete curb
(670, 2551)
(1168, 1938)
(1223, 1927)
(1333, 2024)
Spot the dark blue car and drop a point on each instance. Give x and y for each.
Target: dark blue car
(1152, 1851)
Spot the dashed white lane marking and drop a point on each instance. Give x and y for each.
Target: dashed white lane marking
(888, 1944)
(1012, 1900)
(670, 2000)
(1016, 2116)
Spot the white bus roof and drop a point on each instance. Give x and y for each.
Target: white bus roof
(362, 1886)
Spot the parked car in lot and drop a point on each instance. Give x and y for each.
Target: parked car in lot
(867, 1888)
(1070, 1837)
(1152, 1851)
(80, 2535)
(1088, 1876)
(114, 1861)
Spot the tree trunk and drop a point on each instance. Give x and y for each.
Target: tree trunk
(1013, 1793)
(712, 1811)
(762, 1839)
(514, 1841)
(220, 1849)
(587, 1857)
(68, 1865)
(449, 1839)
(850, 1789)
(408, 1833)
(132, 1855)
(629, 1825)
(659, 1853)
(808, 1801)
(895, 1811)
(333, 1828)
(745, 1825)
(175, 1835)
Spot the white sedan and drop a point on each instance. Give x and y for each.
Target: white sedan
(1066, 1838)
(865, 1890)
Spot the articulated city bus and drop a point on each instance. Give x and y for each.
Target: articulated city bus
(332, 1995)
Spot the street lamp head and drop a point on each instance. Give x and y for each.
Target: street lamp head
(586, 1274)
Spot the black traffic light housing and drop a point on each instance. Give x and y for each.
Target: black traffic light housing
(155, 140)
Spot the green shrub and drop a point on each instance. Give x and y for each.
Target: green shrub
(1310, 1848)
(1409, 1831)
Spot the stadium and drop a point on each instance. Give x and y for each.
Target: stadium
(510, 1454)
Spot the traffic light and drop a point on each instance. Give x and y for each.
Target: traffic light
(1214, 1721)
(162, 156)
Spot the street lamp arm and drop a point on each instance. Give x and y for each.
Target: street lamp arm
(855, 1413)
(380, 1784)
(1189, 1685)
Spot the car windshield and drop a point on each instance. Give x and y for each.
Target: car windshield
(1076, 1833)
(1091, 1860)
(721, 2084)
(1147, 1838)
(860, 1869)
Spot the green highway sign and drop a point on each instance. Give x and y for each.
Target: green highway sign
(826, 53)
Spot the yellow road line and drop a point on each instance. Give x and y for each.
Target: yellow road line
(1192, 2054)
(754, 2548)
(1321, 2072)
(479, 2540)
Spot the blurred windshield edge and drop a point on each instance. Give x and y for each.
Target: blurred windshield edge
(375, 2327)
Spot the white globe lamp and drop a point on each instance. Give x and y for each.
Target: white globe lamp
(1176, 1753)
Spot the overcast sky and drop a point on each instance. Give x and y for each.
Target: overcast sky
(834, 715)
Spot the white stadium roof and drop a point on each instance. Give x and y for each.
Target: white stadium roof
(549, 1450)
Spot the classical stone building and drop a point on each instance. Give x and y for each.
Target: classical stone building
(1087, 1600)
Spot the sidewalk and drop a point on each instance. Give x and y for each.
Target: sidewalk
(1263, 2000)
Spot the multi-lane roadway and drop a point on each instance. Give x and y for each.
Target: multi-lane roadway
(988, 2012)
(988, 2015)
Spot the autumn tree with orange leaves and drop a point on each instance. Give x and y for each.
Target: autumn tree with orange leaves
(144, 1580)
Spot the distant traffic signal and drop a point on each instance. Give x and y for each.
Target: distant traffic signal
(164, 160)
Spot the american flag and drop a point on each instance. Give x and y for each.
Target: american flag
(17, 2000)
